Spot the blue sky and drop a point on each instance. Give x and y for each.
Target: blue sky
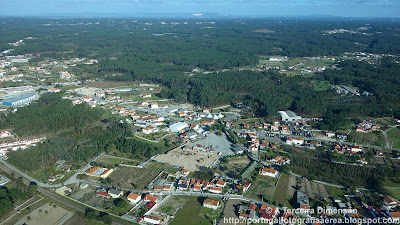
(354, 8)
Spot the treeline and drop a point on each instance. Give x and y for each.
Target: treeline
(9, 197)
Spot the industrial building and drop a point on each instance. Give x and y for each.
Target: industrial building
(177, 127)
(289, 116)
(19, 100)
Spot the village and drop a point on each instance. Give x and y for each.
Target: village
(237, 172)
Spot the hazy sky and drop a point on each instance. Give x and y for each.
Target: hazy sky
(356, 8)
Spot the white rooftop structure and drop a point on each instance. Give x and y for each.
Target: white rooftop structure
(289, 116)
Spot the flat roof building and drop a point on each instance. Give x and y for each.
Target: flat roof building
(20, 99)
(289, 116)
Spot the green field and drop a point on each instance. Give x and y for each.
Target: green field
(162, 166)
(321, 85)
(374, 138)
(173, 204)
(192, 213)
(111, 161)
(280, 194)
(264, 186)
(393, 188)
(394, 137)
(335, 192)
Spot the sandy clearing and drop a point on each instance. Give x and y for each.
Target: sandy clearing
(55, 216)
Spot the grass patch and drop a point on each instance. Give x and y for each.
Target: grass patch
(262, 186)
(280, 194)
(321, 85)
(111, 161)
(335, 192)
(162, 166)
(394, 137)
(192, 213)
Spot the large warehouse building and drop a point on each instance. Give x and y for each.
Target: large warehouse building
(289, 116)
(19, 100)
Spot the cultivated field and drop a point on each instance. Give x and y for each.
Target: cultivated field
(281, 191)
(132, 177)
(188, 159)
(162, 166)
(46, 215)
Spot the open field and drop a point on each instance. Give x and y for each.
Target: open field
(53, 216)
(321, 85)
(374, 138)
(264, 186)
(107, 84)
(394, 137)
(162, 166)
(230, 211)
(335, 192)
(132, 177)
(188, 159)
(192, 213)
(281, 191)
(174, 203)
(234, 165)
(111, 161)
(394, 191)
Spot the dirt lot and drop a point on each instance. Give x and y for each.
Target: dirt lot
(83, 192)
(132, 177)
(230, 211)
(188, 159)
(53, 216)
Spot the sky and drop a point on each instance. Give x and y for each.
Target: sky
(246, 8)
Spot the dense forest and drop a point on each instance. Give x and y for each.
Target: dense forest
(165, 51)
(79, 134)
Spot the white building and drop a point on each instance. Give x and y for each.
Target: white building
(211, 203)
(151, 219)
(134, 198)
(289, 116)
(177, 127)
(5, 133)
(295, 141)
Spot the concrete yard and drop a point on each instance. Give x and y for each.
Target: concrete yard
(220, 143)
(188, 159)
(54, 216)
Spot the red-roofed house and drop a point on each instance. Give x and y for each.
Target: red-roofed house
(134, 198)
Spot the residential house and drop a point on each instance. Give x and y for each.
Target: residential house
(114, 193)
(268, 172)
(150, 198)
(220, 183)
(151, 219)
(295, 141)
(211, 203)
(134, 198)
(390, 203)
(216, 190)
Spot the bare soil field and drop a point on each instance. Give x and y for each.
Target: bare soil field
(188, 159)
(230, 211)
(132, 177)
(53, 216)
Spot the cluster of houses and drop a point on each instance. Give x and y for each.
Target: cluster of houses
(66, 75)
(216, 187)
(14, 145)
(367, 126)
(260, 212)
(280, 160)
(350, 150)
